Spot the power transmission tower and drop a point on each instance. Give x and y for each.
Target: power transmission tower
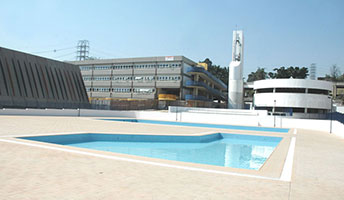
(83, 49)
(313, 71)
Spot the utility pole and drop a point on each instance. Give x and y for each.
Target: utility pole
(273, 112)
(83, 49)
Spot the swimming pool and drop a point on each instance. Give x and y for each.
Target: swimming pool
(219, 126)
(228, 150)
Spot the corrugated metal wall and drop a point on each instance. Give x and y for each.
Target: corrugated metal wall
(28, 81)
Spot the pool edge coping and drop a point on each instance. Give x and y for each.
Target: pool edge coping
(286, 170)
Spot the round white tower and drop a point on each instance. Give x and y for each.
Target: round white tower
(235, 80)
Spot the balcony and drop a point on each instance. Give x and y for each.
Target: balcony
(208, 75)
(213, 91)
(196, 98)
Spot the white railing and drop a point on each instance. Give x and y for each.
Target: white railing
(174, 109)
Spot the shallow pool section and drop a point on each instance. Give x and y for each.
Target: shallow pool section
(229, 150)
(219, 126)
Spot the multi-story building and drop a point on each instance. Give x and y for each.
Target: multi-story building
(166, 79)
(338, 92)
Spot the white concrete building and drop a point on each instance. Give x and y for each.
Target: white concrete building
(293, 97)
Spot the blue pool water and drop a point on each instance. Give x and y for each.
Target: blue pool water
(229, 150)
(220, 126)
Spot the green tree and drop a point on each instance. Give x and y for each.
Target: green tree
(290, 72)
(219, 72)
(260, 74)
(208, 62)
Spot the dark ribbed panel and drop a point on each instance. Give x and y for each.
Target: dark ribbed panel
(3, 81)
(28, 81)
(63, 82)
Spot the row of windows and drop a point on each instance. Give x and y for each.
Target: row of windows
(168, 78)
(293, 110)
(133, 78)
(102, 67)
(143, 90)
(293, 90)
(122, 90)
(142, 66)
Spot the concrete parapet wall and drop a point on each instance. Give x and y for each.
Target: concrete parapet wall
(40, 112)
(218, 111)
(232, 119)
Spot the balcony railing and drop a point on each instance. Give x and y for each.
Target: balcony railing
(211, 76)
(213, 91)
(194, 97)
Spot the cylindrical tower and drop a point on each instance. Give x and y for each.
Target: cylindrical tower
(235, 81)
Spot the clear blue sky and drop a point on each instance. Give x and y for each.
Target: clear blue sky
(277, 33)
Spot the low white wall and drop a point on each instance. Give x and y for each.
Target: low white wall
(230, 119)
(218, 111)
(40, 112)
(218, 119)
(107, 113)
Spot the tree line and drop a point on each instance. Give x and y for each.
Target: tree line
(222, 73)
(282, 72)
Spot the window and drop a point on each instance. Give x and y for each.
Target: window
(85, 68)
(122, 78)
(122, 67)
(87, 78)
(101, 89)
(265, 90)
(144, 90)
(163, 65)
(318, 91)
(290, 90)
(148, 78)
(144, 66)
(298, 110)
(138, 78)
(314, 110)
(121, 90)
(168, 78)
(143, 78)
(101, 78)
(102, 67)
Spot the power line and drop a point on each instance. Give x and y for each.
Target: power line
(64, 55)
(103, 52)
(54, 50)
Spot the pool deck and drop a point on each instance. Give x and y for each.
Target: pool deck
(33, 172)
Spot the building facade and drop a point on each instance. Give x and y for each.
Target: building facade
(28, 81)
(170, 78)
(293, 97)
(338, 92)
